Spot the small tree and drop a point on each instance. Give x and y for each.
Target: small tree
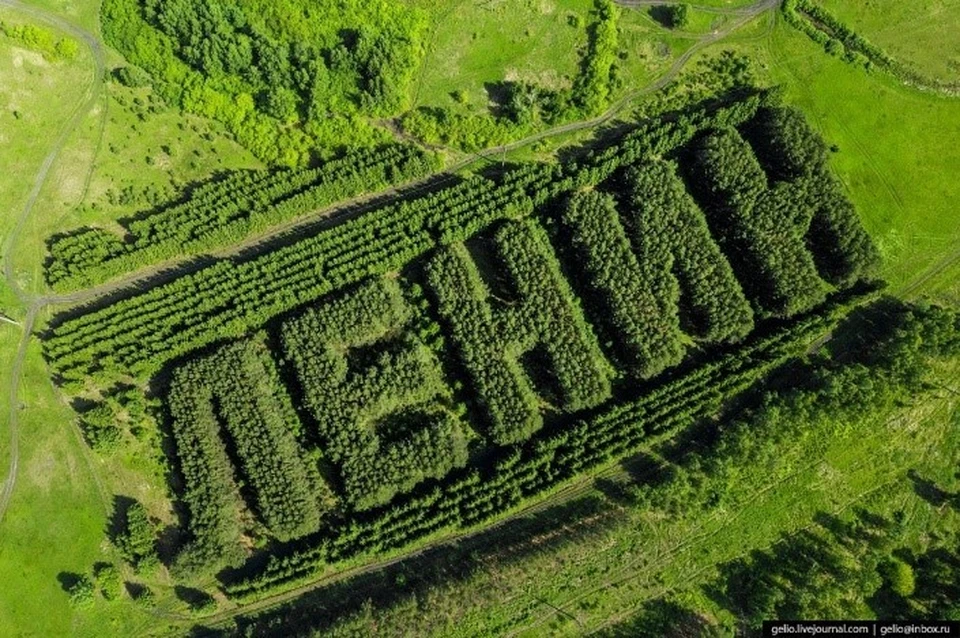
(679, 16)
(100, 429)
(899, 576)
(81, 592)
(138, 536)
(672, 16)
(107, 577)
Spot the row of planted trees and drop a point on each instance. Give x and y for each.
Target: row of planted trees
(226, 211)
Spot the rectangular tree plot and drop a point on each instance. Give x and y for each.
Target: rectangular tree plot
(678, 257)
(230, 406)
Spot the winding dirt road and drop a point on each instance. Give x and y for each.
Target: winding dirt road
(35, 303)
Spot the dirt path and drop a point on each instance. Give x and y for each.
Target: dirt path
(91, 96)
(35, 304)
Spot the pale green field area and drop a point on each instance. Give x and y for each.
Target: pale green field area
(944, 286)
(85, 13)
(55, 521)
(37, 99)
(121, 146)
(473, 44)
(923, 33)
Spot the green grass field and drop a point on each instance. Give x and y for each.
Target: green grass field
(473, 44)
(63, 492)
(37, 97)
(922, 34)
(894, 148)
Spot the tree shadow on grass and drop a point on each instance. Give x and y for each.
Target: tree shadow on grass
(414, 578)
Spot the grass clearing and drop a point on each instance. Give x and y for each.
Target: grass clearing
(921, 33)
(55, 521)
(475, 44)
(28, 114)
(120, 160)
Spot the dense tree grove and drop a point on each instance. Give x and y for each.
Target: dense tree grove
(385, 420)
(411, 436)
(592, 88)
(285, 79)
(492, 337)
(232, 400)
(550, 457)
(763, 228)
(228, 210)
(648, 337)
(679, 255)
(791, 151)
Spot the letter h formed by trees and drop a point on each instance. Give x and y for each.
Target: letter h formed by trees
(492, 336)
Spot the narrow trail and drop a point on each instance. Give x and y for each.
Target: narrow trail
(91, 96)
(6, 490)
(34, 303)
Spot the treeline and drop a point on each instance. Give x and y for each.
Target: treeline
(840, 40)
(468, 498)
(386, 424)
(41, 39)
(226, 211)
(288, 81)
(231, 404)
